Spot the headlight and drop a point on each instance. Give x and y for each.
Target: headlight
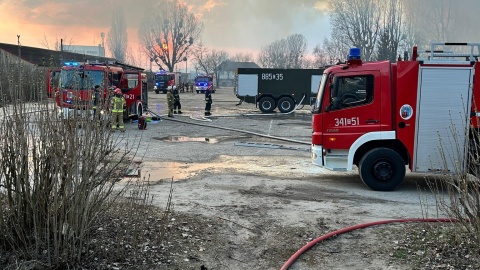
(70, 95)
(102, 112)
(155, 87)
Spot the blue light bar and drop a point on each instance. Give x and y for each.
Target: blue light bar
(354, 54)
(71, 63)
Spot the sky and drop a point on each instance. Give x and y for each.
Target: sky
(230, 25)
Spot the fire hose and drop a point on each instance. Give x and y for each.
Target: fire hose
(297, 254)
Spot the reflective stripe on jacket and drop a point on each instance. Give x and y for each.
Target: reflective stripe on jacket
(117, 104)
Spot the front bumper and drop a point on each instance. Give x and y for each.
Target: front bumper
(317, 155)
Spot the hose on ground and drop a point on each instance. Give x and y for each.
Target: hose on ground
(297, 254)
(236, 130)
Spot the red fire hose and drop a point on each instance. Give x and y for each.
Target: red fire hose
(356, 227)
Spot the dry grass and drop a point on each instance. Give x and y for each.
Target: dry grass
(57, 179)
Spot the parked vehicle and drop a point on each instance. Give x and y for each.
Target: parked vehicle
(204, 82)
(277, 88)
(383, 116)
(163, 80)
(78, 80)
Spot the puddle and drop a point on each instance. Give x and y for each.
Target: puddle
(277, 166)
(188, 139)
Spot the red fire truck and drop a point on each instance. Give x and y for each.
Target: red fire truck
(78, 81)
(164, 80)
(383, 116)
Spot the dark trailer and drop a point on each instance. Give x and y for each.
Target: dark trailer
(270, 88)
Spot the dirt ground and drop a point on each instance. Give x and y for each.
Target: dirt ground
(246, 195)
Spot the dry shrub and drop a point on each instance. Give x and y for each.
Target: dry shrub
(57, 175)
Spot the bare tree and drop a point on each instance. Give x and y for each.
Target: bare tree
(242, 57)
(117, 35)
(440, 16)
(284, 53)
(412, 32)
(320, 57)
(334, 51)
(356, 22)
(208, 61)
(392, 31)
(200, 56)
(297, 47)
(167, 32)
(216, 58)
(56, 44)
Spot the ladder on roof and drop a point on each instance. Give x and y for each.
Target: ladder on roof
(434, 54)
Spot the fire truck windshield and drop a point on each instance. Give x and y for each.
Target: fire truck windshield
(80, 79)
(163, 77)
(203, 79)
(318, 102)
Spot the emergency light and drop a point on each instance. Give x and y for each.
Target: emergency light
(354, 54)
(71, 63)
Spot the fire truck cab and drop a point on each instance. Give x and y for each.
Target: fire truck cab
(163, 80)
(382, 116)
(78, 81)
(204, 82)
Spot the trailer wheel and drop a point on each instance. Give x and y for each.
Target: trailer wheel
(286, 105)
(382, 169)
(266, 104)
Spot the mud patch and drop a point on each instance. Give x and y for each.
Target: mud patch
(275, 166)
(187, 139)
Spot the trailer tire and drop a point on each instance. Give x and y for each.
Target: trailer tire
(382, 169)
(286, 105)
(266, 104)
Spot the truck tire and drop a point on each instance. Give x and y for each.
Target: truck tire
(286, 105)
(266, 104)
(382, 169)
(157, 92)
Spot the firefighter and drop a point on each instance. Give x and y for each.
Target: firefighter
(208, 101)
(170, 102)
(117, 105)
(177, 107)
(96, 100)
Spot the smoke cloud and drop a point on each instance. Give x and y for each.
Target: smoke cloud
(232, 25)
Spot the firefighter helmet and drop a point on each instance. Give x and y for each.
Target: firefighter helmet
(118, 91)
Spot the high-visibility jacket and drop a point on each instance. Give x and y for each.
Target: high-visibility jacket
(117, 104)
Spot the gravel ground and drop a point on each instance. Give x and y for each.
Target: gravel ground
(242, 194)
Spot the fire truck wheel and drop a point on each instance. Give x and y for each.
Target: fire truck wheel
(266, 104)
(382, 169)
(286, 104)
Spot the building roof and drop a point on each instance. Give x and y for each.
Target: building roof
(232, 66)
(48, 58)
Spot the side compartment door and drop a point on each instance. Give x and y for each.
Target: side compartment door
(247, 85)
(352, 108)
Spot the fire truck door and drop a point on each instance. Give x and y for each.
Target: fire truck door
(352, 109)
